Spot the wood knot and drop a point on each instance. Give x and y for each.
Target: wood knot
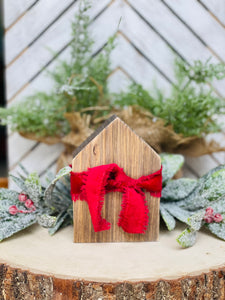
(95, 151)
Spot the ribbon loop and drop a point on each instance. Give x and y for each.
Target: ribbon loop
(92, 185)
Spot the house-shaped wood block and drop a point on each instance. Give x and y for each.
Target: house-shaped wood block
(115, 142)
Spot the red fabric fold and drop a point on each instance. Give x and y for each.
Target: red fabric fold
(92, 185)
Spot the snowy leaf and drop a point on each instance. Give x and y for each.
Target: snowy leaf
(55, 199)
(177, 212)
(187, 238)
(7, 198)
(178, 189)
(167, 218)
(171, 163)
(8, 194)
(210, 188)
(63, 172)
(218, 229)
(219, 205)
(195, 221)
(23, 169)
(46, 221)
(59, 222)
(19, 182)
(13, 224)
(33, 187)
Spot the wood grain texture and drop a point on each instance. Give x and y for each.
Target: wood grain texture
(116, 143)
(13, 10)
(23, 34)
(202, 23)
(176, 33)
(17, 284)
(217, 8)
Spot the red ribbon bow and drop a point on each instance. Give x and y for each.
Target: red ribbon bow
(92, 185)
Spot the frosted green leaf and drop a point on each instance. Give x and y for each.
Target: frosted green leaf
(8, 194)
(218, 229)
(177, 212)
(178, 189)
(7, 198)
(23, 169)
(211, 187)
(63, 186)
(171, 165)
(49, 177)
(195, 221)
(13, 224)
(52, 198)
(219, 205)
(19, 182)
(187, 238)
(46, 221)
(63, 172)
(33, 187)
(59, 222)
(214, 186)
(58, 201)
(167, 218)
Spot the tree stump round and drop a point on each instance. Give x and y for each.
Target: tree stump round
(35, 266)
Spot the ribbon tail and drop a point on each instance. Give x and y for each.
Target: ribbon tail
(134, 214)
(95, 192)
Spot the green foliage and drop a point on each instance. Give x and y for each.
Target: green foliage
(46, 221)
(191, 107)
(171, 164)
(187, 200)
(53, 204)
(80, 82)
(187, 238)
(167, 217)
(55, 195)
(209, 188)
(41, 114)
(183, 199)
(33, 187)
(11, 224)
(199, 72)
(14, 224)
(178, 189)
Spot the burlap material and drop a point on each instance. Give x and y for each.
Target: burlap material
(49, 140)
(163, 138)
(160, 137)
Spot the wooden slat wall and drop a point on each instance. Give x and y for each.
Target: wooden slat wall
(150, 35)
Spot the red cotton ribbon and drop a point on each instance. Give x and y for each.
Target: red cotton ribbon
(93, 184)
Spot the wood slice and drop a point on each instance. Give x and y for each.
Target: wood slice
(35, 266)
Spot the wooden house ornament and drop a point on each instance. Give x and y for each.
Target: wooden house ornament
(115, 142)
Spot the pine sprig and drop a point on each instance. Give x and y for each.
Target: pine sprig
(78, 83)
(192, 105)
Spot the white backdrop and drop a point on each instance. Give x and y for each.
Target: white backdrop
(150, 34)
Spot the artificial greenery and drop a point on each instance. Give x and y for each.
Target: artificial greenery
(51, 205)
(79, 82)
(196, 203)
(189, 200)
(81, 86)
(192, 105)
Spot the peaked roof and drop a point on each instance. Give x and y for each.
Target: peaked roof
(98, 131)
(94, 134)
